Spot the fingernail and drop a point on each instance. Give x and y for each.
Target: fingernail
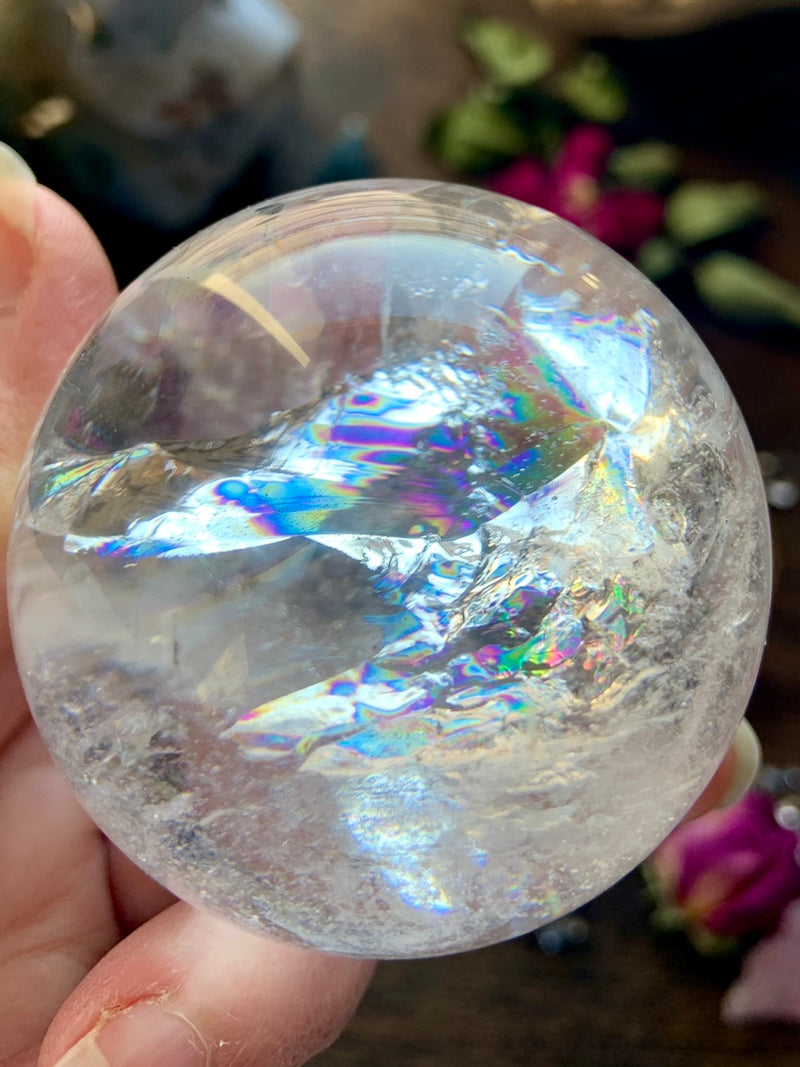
(17, 191)
(147, 1034)
(17, 225)
(747, 749)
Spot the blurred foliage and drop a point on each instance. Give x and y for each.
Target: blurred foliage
(526, 104)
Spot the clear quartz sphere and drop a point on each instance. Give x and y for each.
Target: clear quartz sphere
(391, 568)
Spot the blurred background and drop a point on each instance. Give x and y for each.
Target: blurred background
(671, 129)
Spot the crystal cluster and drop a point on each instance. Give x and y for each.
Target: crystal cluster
(391, 569)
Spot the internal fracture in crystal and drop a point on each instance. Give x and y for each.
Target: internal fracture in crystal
(391, 570)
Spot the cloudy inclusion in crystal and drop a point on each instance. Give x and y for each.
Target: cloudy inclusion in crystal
(391, 570)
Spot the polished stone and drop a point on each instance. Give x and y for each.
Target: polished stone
(392, 568)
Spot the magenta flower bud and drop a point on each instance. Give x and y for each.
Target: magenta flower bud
(525, 179)
(585, 151)
(572, 188)
(729, 873)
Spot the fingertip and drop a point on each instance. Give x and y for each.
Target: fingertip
(73, 284)
(205, 985)
(736, 773)
(70, 285)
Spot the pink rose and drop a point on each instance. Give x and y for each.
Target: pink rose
(728, 873)
(572, 188)
(585, 150)
(525, 179)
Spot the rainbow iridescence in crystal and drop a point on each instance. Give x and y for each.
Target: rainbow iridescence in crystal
(392, 568)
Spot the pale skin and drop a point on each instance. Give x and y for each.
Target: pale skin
(84, 935)
(94, 956)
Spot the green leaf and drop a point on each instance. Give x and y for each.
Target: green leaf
(658, 258)
(476, 134)
(699, 211)
(745, 291)
(541, 117)
(593, 88)
(508, 55)
(668, 920)
(711, 945)
(649, 164)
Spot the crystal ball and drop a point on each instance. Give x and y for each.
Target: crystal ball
(391, 568)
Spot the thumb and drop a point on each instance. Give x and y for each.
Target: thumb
(55, 282)
(188, 990)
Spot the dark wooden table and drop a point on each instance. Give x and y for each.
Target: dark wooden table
(625, 1000)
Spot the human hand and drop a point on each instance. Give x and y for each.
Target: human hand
(99, 965)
